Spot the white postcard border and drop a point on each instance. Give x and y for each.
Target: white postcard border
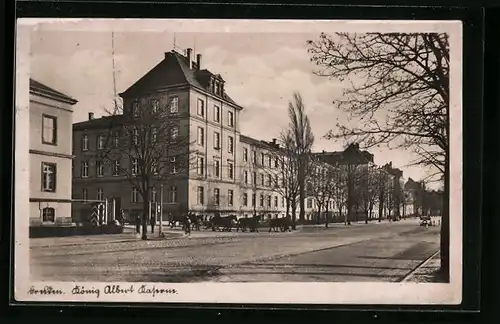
(254, 293)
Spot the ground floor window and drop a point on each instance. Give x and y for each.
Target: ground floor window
(48, 214)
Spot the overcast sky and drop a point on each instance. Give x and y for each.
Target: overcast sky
(262, 70)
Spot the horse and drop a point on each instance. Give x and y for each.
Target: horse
(226, 222)
(252, 223)
(196, 220)
(282, 223)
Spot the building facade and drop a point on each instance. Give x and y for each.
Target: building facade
(224, 177)
(50, 155)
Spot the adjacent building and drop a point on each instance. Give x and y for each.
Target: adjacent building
(50, 155)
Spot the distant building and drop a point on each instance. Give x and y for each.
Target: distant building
(50, 155)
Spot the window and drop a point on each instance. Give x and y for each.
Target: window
(48, 214)
(135, 137)
(116, 139)
(261, 200)
(135, 167)
(230, 197)
(173, 165)
(201, 165)
(230, 144)
(216, 196)
(100, 168)
(116, 168)
(201, 107)
(245, 176)
(254, 178)
(216, 169)
(253, 199)
(135, 109)
(174, 105)
(85, 143)
(269, 180)
(155, 106)
(276, 163)
(269, 161)
(262, 181)
(201, 195)
(173, 194)
(268, 201)
(262, 158)
(153, 195)
(309, 203)
(85, 194)
(230, 170)
(217, 114)
(216, 140)
(245, 199)
(48, 177)
(275, 201)
(283, 202)
(85, 169)
(245, 154)
(49, 129)
(134, 196)
(100, 142)
(201, 136)
(230, 117)
(100, 194)
(154, 134)
(154, 167)
(254, 157)
(276, 181)
(174, 132)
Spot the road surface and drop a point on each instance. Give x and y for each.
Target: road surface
(372, 252)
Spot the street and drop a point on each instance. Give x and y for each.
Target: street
(360, 252)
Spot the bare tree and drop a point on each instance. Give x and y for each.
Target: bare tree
(317, 184)
(367, 190)
(303, 138)
(285, 177)
(145, 146)
(399, 94)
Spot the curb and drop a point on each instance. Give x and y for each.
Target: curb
(422, 264)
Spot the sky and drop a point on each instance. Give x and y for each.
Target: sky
(261, 70)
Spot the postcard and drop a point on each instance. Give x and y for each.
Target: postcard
(238, 161)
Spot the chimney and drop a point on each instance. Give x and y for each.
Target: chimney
(189, 57)
(198, 61)
(91, 115)
(274, 141)
(166, 54)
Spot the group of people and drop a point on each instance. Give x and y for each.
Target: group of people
(138, 223)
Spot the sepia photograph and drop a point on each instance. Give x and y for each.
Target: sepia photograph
(238, 161)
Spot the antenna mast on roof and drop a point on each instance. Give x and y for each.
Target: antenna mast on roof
(115, 108)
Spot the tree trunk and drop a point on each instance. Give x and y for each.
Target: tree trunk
(145, 215)
(326, 216)
(445, 225)
(366, 216)
(294, 220)
(318, 221)
(380, 207)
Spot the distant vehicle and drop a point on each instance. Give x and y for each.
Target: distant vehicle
(426, 221)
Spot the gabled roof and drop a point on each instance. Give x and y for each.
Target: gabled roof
(173, 70)
(352, 154)
(42, 89)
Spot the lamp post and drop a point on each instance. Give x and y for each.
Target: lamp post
(161, 212)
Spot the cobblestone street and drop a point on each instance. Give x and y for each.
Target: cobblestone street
(361, 252)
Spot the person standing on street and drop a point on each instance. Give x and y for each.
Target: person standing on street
(138, 224)
(152, 222)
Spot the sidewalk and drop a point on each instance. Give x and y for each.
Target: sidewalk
(128, 235)
(428, 272)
